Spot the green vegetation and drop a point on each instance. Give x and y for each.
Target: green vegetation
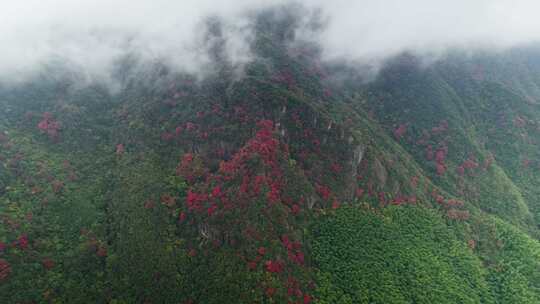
(283, 185)
(399, 255)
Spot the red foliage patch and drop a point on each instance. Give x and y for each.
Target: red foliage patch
(212, 209)
(441, 128)
(454, 203)
(429, 153)
(359, 192)
(398, 200)
(323, 191)
(414, 182)
(519, 122)
(400, 131)
(149, 204)
(457, 214)
(49, 126)
(57, 186)
(216, 192)
(22, 242)
(190, 126)
(189, 168)
(252, 265)
(275, 266)
(382, 198)
(336, 168)
(264, 142)
(253, 174)
(274, 195)
(286, 78)
(440, 156)
(194, 200)
(182, 216)
(166, 136)
(441, 169)
(168, 200)
(270, 291)
(5, 270)
(101, 251)
(178, 131)
(47, 263)
(120, 149)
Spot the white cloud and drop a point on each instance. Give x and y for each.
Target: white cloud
(93, 33)
(368, 29)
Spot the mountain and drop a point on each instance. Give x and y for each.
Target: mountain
(287, 180)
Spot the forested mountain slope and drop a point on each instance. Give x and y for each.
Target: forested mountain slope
(276, 184)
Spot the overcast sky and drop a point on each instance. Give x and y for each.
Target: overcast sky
(92, 33)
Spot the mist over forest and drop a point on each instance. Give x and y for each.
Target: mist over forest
(270, 152)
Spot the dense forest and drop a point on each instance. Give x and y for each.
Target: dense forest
(288, 180)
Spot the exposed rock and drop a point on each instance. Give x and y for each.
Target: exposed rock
(380, 172)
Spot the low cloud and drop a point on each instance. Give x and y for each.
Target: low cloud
(91, 35)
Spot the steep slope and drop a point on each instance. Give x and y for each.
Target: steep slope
(278, 185)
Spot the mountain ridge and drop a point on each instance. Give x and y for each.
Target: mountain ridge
(245, 189)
